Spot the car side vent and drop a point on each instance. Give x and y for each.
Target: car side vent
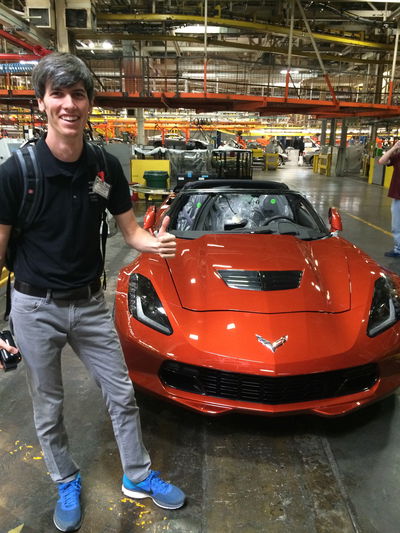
(262, 280)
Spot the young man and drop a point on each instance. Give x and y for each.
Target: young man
(57, 297)
(392, 158)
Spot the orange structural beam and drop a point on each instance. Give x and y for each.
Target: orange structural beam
(209, 102)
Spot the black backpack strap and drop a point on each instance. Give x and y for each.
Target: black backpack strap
(101, 160)
(104, 235)
(8, 298)
(102, 166)
(31, 173)
(33, 190)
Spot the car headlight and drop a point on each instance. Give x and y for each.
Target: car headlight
(385, 307)
(145, 305)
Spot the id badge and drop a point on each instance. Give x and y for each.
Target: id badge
(101, 188)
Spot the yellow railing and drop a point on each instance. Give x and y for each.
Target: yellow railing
(315, 163)
(324, 164)
(4, 277)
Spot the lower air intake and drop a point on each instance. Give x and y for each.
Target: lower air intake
(268, 390)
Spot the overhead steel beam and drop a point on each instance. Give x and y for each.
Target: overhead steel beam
(367, 1)
(241, 24)
(16, 24)
(88, 34)
(369, 13)
(18, 57)
(38, 50)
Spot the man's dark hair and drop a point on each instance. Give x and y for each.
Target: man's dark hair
(61, 70)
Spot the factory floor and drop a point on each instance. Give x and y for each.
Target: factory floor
(244, 474)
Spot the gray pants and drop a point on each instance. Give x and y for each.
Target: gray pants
(42, 327)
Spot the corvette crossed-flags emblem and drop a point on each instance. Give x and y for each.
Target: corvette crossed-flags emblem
(273, 346)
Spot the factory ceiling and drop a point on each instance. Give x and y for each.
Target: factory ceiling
(334, 45)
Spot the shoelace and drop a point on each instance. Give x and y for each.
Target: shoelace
(69, 493)
(156, 484)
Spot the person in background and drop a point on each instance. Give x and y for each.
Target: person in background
(58, 297)
(301, 146)
(392, 158)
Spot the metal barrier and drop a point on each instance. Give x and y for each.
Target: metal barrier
(324, 164)
(315, 163)
(272, 161)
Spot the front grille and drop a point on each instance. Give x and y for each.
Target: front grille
(261, 280)
(266, 389)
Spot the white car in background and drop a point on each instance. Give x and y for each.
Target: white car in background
(308, 157)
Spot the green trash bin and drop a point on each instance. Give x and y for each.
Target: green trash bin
(156, 179)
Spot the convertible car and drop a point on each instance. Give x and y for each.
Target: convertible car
(264, 309)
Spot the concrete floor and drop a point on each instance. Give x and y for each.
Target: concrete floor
(241, 473)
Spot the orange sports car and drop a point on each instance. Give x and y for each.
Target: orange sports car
(264, 309)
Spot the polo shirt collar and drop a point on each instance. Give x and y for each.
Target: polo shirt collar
(49, 162)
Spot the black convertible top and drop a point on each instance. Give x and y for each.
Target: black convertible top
(234, 184)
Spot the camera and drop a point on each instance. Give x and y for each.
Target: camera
(7, 359)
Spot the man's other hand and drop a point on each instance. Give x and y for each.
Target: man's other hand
(5, 346)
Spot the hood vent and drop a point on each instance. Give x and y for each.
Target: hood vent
(261, 280)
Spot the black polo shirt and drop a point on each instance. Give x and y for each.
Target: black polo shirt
(62, 247)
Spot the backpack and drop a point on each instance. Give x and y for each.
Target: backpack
(26, 160)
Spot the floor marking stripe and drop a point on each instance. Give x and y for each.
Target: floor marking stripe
(369, 224)
(17, 529)
(338, 476)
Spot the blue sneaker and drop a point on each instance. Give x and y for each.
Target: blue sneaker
(68, 514)
(163, 494)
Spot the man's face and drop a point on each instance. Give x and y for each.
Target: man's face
(67, 110)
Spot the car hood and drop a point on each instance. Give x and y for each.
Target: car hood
(295, 275)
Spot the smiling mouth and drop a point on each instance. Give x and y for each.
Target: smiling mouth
(70, 119)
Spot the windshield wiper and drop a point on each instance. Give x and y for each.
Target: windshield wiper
(263, 231)
(317, 237)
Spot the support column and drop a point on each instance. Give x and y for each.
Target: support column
(61, 26)
(380, 68)
(139, 114)
(323, 132)
(341, 151)
(343, 135)
(372, 140)
(332, 135)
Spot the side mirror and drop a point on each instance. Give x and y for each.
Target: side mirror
(149, 218)
(335, 220)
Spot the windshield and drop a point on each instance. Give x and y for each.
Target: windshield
(195, 213)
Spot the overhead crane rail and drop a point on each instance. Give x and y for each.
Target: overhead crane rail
(240, 24)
